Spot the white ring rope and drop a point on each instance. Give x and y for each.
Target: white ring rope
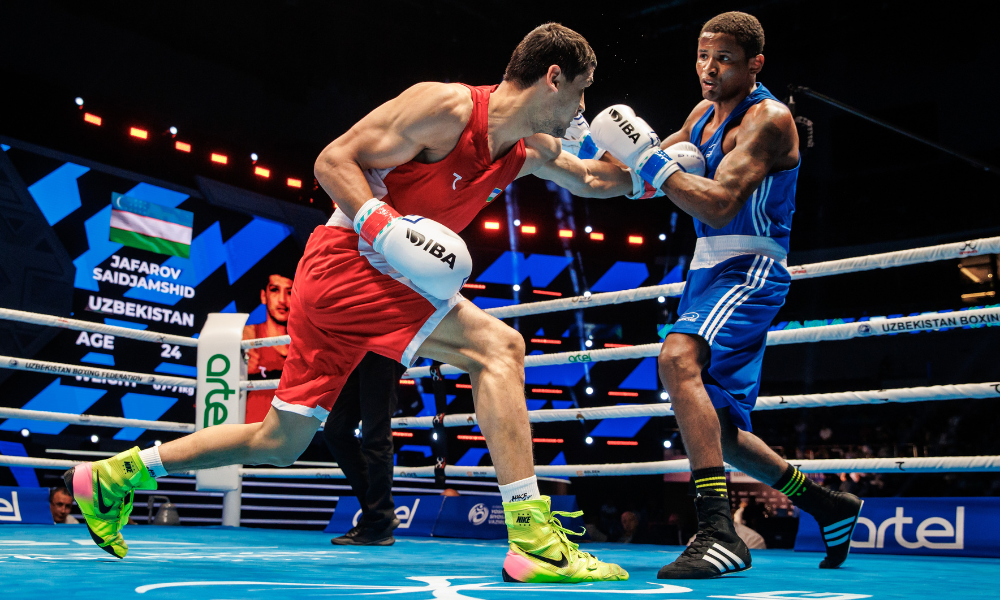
(95, 420)
(844, 331)
(41, 366)
(856, 264)
(950, 464)
(914, 394)
(885, 260)
(125, 332)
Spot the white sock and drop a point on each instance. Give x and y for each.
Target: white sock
(519, 491)
(151, 458)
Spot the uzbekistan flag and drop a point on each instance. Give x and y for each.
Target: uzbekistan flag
(149, 226)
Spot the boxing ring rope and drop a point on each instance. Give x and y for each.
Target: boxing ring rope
(945, 464)
(63, 323)
(843, 331)
(41, 366)
(885, 260)
(834, 399)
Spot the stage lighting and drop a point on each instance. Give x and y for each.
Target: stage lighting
(25, 432)
(297, 183)
(529, 229)
(92, 119)
(663, 237)
(664, 396)
(667, 444)
(589, 390)
(597, 237)
(517, 222)
(139, 133)
(253, 156)
(586, 294)
(261, 172)
(434, 436)
(661, 299)
(222, 159)
(94, 439)
(517, 288)
(173, 131)
(492, 225)
(357, 433)
(157, 443)
(635, 239)
(588, 228)
(79, 101)
(182, 146)
(589, 440)
(588, 343)
(565, 233)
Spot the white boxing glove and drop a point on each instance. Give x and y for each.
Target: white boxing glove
(686, 156)
(578, 140)
(632, 141)
(426, 252)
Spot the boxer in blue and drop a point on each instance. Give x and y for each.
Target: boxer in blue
(710, 363)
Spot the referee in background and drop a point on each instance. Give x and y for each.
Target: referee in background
(369, 395)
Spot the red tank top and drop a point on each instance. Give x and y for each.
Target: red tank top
(452, 191)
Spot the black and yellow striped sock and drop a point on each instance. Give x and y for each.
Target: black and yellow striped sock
(710, 482)
(792, 483)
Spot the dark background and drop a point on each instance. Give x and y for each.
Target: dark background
(283, 79)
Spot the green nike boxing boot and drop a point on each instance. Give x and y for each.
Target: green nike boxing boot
(541, 553)
(104, 492)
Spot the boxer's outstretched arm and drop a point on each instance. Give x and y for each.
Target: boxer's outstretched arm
(427, 118)
(585, 178)
(767, 135)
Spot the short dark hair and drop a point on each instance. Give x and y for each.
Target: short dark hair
(547, 45)
(58, 490)
(267, 279)
(745, 28)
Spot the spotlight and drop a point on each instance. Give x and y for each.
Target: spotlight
(25, 432)
(173, 131)
(297, 183)
(588, 343)
(589, 390)
(253, 156)
(94, 439)
(667, 444)
(357, 433)
(586, 294)
(663, 237)
(664, 396)
(79, 101)
(588, 228)
(589, 440)
(434, 436)
(517, 222)
(517, 288)
(157, 443)
(661, 299)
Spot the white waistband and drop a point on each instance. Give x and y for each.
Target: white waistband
(710, 251)
(339, 219)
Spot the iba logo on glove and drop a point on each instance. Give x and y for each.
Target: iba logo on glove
(431, 247)
(629, 130)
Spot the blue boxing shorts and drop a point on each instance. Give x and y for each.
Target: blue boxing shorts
(731, 306)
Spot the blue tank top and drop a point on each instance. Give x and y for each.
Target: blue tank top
(768, 210)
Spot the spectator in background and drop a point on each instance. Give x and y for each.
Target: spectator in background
(60, 503)
(267, 362)
(450, 492)
(630, 526)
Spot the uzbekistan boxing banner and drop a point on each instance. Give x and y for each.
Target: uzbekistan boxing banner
(929, 526)
(20, 505)
(101, 244)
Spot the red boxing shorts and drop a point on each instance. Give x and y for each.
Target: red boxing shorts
(347, 301)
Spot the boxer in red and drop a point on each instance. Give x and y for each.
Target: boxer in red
(384, 275)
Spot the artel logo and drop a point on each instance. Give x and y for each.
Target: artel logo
(405, 515)
(934, 527)
(579, 358)
(431, 247)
